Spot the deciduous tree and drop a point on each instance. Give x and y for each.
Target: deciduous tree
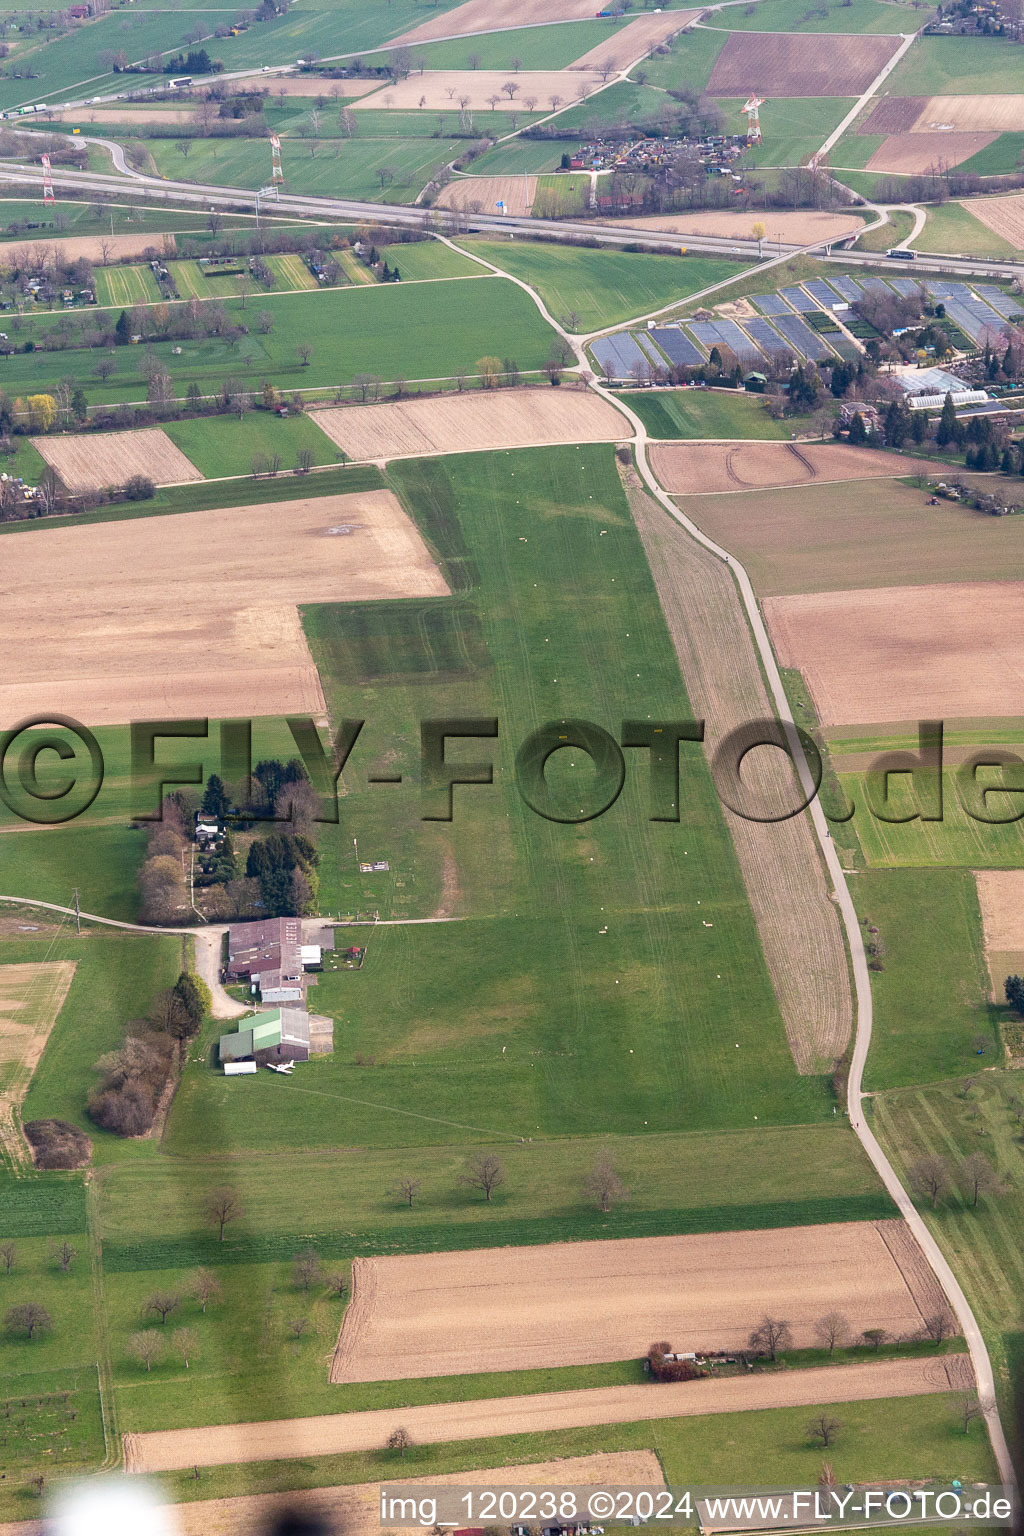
(771, 1335)
(483, 1171)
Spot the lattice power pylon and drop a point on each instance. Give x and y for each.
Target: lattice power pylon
(48, 196)
(277, 174)
(752, 108)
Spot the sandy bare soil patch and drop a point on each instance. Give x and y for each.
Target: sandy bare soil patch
(970, 114)
(689, 469)
(94, 248)
(495, 16)
(101, 115)
(355, 1509)
(574, 1304)
(1003, 215)
(799, 64)
(1001, 896)
(431, 89)
(915, 153)
(893, 114)
(512, 418)
(109, 458)
(905, 653)
(31, 996)
(634, 40)
(805, 228)
(481, 194)
(330, 1433)
(194, 614)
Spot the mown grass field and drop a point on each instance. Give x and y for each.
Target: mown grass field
(519, 154)
(793, 16)
(116, 979)
(794, 128)
(67, 1298)
(425, 260)
(931, 997)
(680, 413)
(603, 287)
(126, 286)
(985, 1246)
(548, 47)
(348, 167)
(388, 330)
(691, 56)
(642, 1032)
(291, 271)
(958, 840)
(952, 228)
(998, 158)
(223, 445)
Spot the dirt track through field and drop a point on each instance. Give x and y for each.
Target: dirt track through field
(780, 863)
(635, 39)
(31, 997)
(454, 423)
(915, 153)
(429, 1424)
(581, 1304)
(689, 469)
(799, 64)
(1003, 215)
(495, 16)
(110, 458)
(430, 90)
(355, 1508)
(905, 653)
(195, 613)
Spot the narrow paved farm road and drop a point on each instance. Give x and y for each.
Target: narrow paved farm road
(328, 1434)
(862, 101)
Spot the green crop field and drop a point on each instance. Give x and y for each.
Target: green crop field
(951, 228)
(519, 154)
(223, 445)
(958, 840)
(703, 413)
(341, 168)
(931, 994)
(999, 158)
(690, 58)
(984, 1245)
(840, 16)
(193, 282)
(390, 330)
(794, 128)
(603, 287)
(560, 197)
(957, 66)
(125, 286)
(548, 47)
(626, 1056)
(422, 260)
(291, 272)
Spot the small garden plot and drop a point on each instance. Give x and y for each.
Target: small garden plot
(126, 286)
(291, 272)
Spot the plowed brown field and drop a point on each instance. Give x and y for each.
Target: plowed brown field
(635, 39)
(1003, 215)
(480, 194)
(95, 248)
(780, 865)
(194, 614)
(914, 153)
(495, 16)
(905, 653)
(109, 458)
(577, 1304)
(799, 64)
(513, 418)
(893, 114)
(970, 114)
(428, 1424)
(800, 228)
(688, 469)
(1001, 895)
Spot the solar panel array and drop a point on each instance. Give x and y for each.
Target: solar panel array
(772, 304)
(799, 300)
(803, 338)
(767, 337)
(619, 353)
(678, 347)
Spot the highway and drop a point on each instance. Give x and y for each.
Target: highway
(615, 234)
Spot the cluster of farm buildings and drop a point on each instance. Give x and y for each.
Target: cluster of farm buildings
(271, 957)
